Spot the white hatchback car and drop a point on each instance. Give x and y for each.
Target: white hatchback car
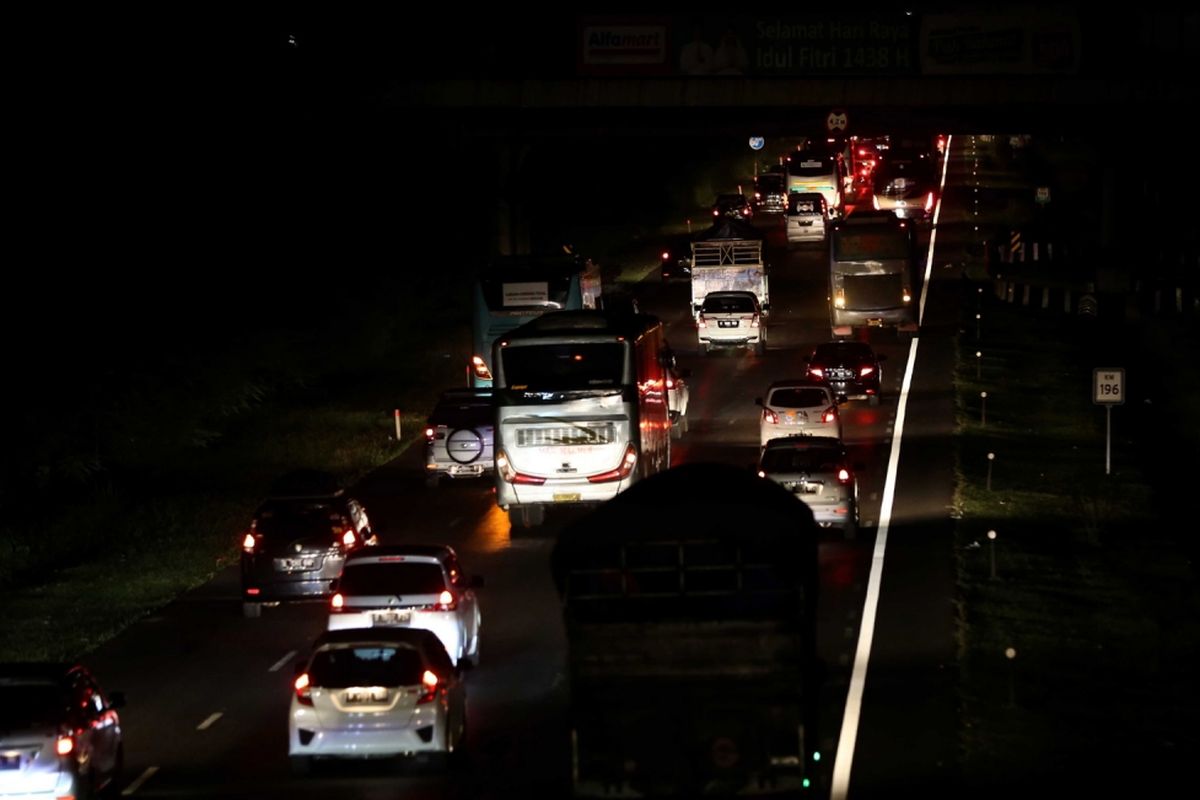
(365, 693)
(413, 586)
(798, 408)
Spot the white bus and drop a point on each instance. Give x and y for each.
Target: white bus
(581, 410)
(812, 172)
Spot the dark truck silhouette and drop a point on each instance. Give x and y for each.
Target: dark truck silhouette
(689, 603)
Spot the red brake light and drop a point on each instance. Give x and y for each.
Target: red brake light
(628, 462)
(337, 603)
(843, 475)
(770, 417)
(829, 415)
(716, 213)
(349, 539)
(446, 602)
(303, 689)
(816, 372)
(429, 684)
(481, 369)
(429, 434)
(670, 383)
(665, 255)
(865, 371)
(506, 471)
(249, 544)
(65, 744)
(929, 201)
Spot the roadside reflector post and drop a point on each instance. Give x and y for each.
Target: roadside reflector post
(991, 460)
(978, 363)
(983, 408)
(991, 535)
(978, 323)
(396, 416)
(1010, 653)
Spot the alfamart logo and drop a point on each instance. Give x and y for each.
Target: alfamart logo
(625, 44)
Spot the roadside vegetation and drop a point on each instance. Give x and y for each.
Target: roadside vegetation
(1078, 654)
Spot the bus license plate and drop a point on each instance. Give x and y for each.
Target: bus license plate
(569, 497)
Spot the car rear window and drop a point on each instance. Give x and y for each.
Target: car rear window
(786, 459)
(842, 353)
(368, 665)
(728, 305)
(288, 521)
(798, 398)
(392, 579)
(462, 414)
(25, 705)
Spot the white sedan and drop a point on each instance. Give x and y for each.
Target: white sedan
(366, 693)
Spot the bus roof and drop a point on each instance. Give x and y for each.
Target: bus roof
(585, 322)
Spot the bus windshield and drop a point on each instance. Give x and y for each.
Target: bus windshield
(860, 245)
(562, 367)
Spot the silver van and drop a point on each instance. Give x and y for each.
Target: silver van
(806, 218)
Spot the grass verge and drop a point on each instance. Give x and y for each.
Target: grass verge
(1093, 589)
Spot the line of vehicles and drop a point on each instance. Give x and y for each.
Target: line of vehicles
(691, 638)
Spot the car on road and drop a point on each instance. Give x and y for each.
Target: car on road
(731, 319)
(852, 370)
(817, 471)
(458, 436)
(806, 219)
(798, 407)
(60, 734)
(376, 692)
(298, 540)
(732, 205)
(410, 586)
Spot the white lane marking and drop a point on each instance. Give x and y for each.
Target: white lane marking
(137, 784)
(278, 665)
(208, 723)
(862, 655)
(937, 213)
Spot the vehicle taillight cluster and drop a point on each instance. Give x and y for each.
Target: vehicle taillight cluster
(429, 687)
(623, 470)
(64, 745)
(303, 689)
(829, 414)
(843, 475)
(816, 372)
(770, 417)
(480, 368)
(865, 371)
(337, 603)
(507, 472)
